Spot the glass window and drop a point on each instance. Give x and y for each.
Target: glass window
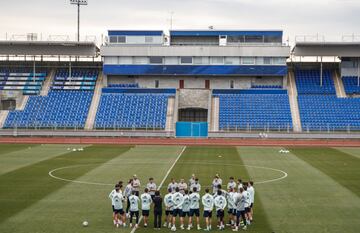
(279, 60)
(232, 60)
(186, 60)
(111, 60)
(217, 60)
(273, 39)
(254, 39)
(149, 39)
(113, 39)
(171, 60)
(125, 60)
(201, 60)
(121, 39)
(156, 60)
(141, 60)
(248, 60)
(267, 61)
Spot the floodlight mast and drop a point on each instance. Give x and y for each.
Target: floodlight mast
(78, 3)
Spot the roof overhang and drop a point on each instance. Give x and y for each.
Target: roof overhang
(49, 48)
(327, 49)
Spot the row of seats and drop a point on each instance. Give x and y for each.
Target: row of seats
(308, 82)
(22, 79)
(80, 79)
(266, 86)
(351, 85)
(120, 110)
(61, 109)
(124, 85)
(255, 111)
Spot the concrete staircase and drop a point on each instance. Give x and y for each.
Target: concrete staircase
(169, 126)
(89, 124)
(3, 116)
(339, 86)
(214, 122)
(21, 106)
(47, 84)
(294, 107)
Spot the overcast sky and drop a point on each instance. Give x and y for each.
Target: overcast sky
(331, 18)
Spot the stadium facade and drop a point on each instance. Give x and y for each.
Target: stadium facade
(183, 83)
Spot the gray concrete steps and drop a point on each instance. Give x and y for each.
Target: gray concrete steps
(294, 107)
(89, 124)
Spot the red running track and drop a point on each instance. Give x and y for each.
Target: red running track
(189, 142)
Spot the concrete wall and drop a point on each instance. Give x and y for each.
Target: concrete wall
(193, 98)
(196, 82)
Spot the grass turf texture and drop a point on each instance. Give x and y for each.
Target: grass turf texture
(310, 199)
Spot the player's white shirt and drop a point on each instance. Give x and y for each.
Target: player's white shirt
(194, 201)
(208, 202)
(231, 185)
(186, 204)
(251, 190)
(111, 195)
(191, 181)
(197, 185)
(215, 184)
(220, 202)
(240, 185)
(247, 199)
(239, 201)
(182, 186)
(231, 200)
(169, 205)
(178, 200)
(152, 188)
(134, 203)
(172, 186)
(117, 200)
(136, 185)
(223, 193)
(128, 190)
(145, 201)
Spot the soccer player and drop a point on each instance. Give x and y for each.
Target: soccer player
(151, 186)
(231, 183)
(239, 184)
(196, 185)
(134, 208)
(217, 180)
(220, 204)
(145, 205)
(231, 206)
(208, 203)
(169, 206)
(182, 186)
(111, 195)
(192, 180)
(136, 185)
(247, 204)
(178, 200)
(127, 193)
(222, 191)
(172, 185)
(157, 210)
(185, 209)
(118, 200)
(194, 208)
(251, 190)
(240, 209)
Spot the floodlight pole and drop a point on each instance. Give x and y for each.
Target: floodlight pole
(78, 23)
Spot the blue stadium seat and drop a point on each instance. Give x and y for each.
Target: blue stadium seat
(351, 85)
(308, 82)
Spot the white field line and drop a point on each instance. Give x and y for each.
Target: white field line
(163, 180)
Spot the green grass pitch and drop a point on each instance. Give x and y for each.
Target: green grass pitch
(306, 190)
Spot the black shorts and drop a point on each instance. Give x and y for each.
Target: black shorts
(185, 213)
(168, 212)
(232, 211)
(220, 213)
(247, 209)
(177, 212)
(145, 213)
(152, 197)
(207, 214)
(119, 211)
(251, 205)
(195, 212)
(239, 213)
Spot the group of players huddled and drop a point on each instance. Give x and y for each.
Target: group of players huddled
(183, 200)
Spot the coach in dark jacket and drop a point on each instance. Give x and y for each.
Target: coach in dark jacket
(157, 210)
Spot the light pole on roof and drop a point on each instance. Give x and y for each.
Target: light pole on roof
(78, 3)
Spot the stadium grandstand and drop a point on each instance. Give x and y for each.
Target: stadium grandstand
(180, 83)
